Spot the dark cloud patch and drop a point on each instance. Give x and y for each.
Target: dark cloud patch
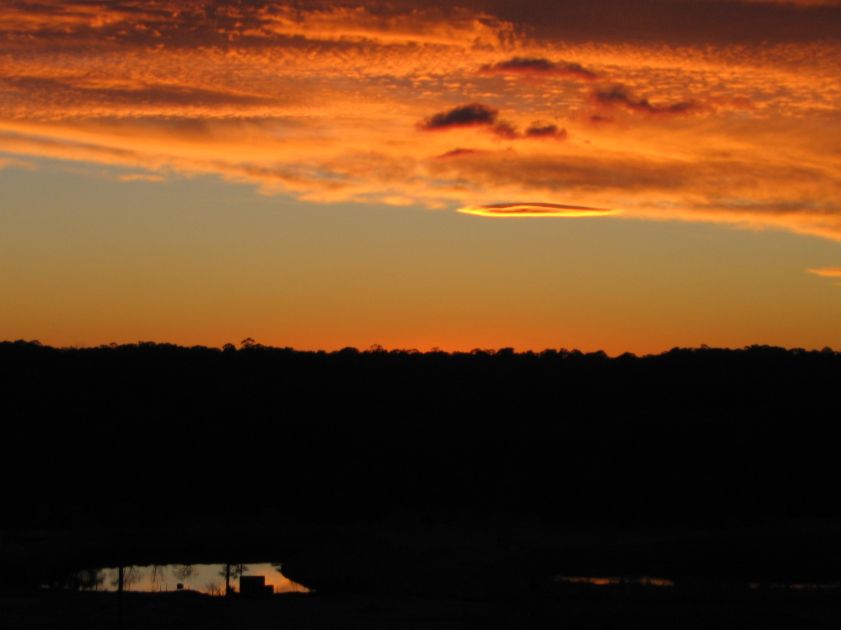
(457, 153)
(539, 66)
(506, 130)
(681, 22)
(538, 130)
(620, 96)
(472, 115)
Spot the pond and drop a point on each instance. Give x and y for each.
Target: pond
(203, 578)
(614, 581)
(659, 582)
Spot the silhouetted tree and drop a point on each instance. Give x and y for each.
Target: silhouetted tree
(156, 574)
(183, 572)
(88, 579)
(126, 577)
(231, 572)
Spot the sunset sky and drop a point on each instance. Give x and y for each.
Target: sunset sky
(597, 174)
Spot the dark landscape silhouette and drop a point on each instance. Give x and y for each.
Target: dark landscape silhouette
(484, 484)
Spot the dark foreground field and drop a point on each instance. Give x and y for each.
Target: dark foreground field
(588, 608)
(416, 490)
(405, 574)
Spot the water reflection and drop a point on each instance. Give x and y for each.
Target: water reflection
(209, 579)
(614, 581)
(663, 582)
(795, 586)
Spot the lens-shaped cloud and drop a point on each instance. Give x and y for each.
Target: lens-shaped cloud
(542, 210)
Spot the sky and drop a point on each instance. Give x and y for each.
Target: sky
(610, 174)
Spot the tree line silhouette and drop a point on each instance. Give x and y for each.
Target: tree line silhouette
(148, 433)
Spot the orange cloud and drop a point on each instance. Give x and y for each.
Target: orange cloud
(323, 101)
(826, 272)
(210, 22)
(15, 163)
(418, 25)
(141, 177)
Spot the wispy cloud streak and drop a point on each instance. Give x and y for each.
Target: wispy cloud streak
(827, 272)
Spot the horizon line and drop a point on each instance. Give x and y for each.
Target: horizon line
(250, 345)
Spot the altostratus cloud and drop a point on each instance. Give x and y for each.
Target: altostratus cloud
(733, 121)
(532, 209)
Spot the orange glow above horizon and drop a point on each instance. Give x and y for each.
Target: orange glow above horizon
(723, 112)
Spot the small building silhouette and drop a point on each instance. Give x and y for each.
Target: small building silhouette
(254, 586)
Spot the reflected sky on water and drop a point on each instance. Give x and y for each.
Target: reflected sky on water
(204, 578)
